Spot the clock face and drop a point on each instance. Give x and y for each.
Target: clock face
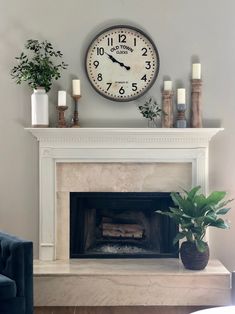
(122, 63)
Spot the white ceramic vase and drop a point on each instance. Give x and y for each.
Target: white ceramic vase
(39, 108)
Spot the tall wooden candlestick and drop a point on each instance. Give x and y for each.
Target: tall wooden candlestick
(75, 114)
(196, 98)
(61, 119)
(167, 109)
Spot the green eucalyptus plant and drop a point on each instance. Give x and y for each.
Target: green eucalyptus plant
(39, 66)
(150, 110)
(194, 212)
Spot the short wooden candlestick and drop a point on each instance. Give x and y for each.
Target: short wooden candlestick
(196, 98)
(181, 119)
(61, 119)
(75, 114)
(167, 109)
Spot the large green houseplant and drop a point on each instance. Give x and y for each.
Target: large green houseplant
(194, 213)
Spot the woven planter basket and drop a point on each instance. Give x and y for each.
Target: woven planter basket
(192, 258)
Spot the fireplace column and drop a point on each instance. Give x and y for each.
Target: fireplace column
(47, 205)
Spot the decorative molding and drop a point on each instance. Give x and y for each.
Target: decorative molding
(112, 145)
(124, 137)
(46, 152)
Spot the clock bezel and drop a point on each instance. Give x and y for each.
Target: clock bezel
(157, 65)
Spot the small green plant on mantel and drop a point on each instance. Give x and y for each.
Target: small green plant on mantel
(150, 110)
(39, 67)
(194, 213)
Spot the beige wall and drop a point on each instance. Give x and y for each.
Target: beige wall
(182, 31)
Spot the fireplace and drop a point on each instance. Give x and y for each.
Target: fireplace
(90, 159)
(120, 225)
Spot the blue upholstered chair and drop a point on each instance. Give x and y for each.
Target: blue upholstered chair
(16, 275)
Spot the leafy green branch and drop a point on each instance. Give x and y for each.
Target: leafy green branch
(38, 67)
(150, 109)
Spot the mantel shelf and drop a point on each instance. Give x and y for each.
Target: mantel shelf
(126, 137)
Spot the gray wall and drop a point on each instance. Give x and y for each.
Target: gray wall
(183, 30)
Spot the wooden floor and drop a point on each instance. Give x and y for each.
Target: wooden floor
(118, 310)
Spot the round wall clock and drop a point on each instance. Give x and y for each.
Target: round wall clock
(122, 63)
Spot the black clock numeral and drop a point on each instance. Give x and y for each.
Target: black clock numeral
(145, 50)
(122, 91)
(100, 51)
(148, 65)
(110, 41)
(144, 78)
(99, 77)
(96, 64)
(134, 87)
(135, 41)
(109, 85)
(122, 38)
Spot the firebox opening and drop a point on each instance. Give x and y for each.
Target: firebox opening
(115, 225)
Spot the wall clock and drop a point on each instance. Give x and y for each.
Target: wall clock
(122, 63)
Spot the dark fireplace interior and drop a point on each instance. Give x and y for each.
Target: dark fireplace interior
(116, 225)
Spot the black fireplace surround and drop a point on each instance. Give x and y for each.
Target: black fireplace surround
(121, 225)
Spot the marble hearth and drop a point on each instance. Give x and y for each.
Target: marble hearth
(116, 160)
(125, 282)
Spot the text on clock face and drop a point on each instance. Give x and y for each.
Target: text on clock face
(121, 49)
(122, 63)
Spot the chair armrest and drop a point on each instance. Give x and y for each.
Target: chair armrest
(11, 261)
(16, 260)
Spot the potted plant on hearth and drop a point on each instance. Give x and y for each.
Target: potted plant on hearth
(194, 213)
(38, 68)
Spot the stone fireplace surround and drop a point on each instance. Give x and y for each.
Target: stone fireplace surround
(134, 160)
(111, 177)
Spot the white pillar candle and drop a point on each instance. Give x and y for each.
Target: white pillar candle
(76, 88)
(196, 71)
(167, 85)
(181, 96)
(62, 98)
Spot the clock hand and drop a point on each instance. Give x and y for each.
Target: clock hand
(111, 57)
(125, 66)
(120, 63)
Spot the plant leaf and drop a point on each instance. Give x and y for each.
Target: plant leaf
(191, 194)
(178, 237)
(222, 211)
(222, 204)
(201, 245)
(215, 197)
(219, 223)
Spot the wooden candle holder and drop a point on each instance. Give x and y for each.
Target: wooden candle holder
(61, 119)
(75, 114)
(196, 98)
(167, 109)
(181, 119)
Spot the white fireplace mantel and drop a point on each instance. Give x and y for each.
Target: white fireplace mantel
(124, 137)
(112, 145)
